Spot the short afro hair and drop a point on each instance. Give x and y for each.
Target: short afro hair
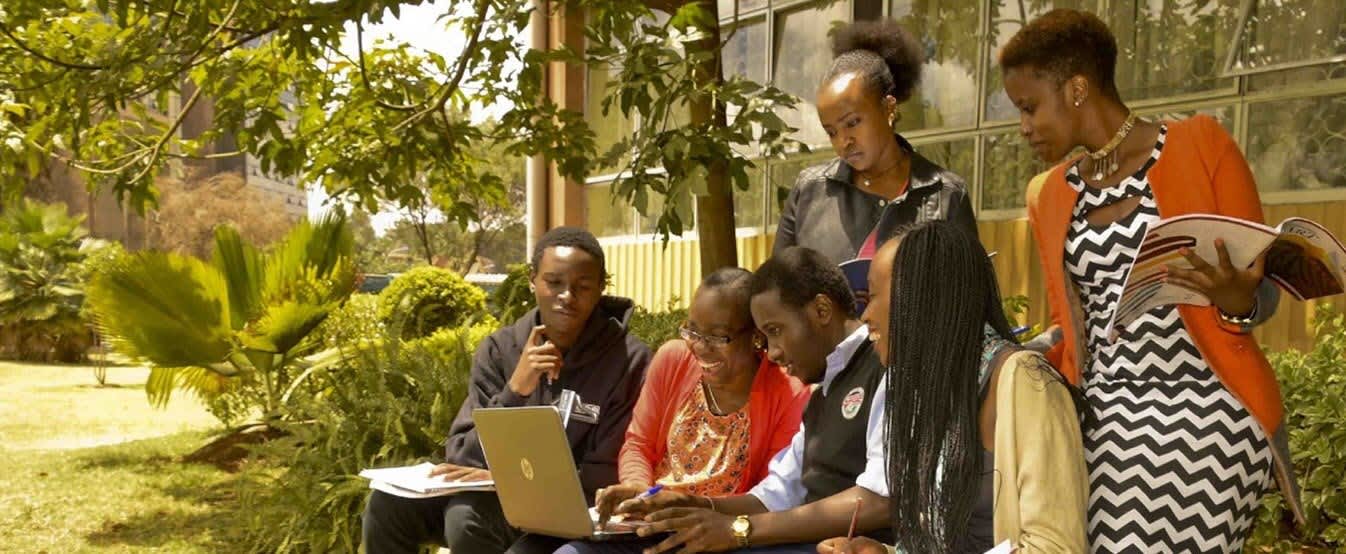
(800, 274)
(885, 54)
(1064, 43)
(573, 237)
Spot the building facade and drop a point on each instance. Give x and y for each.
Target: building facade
(1272, 71)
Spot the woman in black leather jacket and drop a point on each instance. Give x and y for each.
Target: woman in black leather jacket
(877, 184)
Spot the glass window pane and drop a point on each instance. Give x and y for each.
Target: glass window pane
(610, 128)
(745, 52)
(803, 53)
(947, 95)
(1170, 47)
(958, 156)
(1007, 17)
(1297, 144)
(1291, 77)
(607, 216)
(726, 7)
(1008, 166)
(649, 222)
(1285, 31)
(749, 205)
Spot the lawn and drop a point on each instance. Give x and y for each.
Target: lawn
(94, 469)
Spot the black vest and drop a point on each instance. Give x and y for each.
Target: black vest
(834, 444)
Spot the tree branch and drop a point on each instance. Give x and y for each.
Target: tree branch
(443, 94)
(364, 75)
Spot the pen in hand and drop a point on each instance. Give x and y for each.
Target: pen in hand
(651, 492)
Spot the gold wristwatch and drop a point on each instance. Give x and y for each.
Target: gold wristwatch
(742, 528)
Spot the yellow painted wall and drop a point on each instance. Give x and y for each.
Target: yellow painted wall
(655, 276)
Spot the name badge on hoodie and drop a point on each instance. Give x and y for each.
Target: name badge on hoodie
(571, 406)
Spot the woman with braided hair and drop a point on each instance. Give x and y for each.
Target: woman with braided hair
(983, 440)
(846, 206)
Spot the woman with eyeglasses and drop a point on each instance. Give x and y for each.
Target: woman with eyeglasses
(712, 413)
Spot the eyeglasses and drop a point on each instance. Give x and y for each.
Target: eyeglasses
(713, 341)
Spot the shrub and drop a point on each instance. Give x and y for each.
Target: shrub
(513, 298)
(1015, 306)
(390, 403)
(1313, 385)
(427, 298)
(357, 319)
(42, 283)
(656, 328)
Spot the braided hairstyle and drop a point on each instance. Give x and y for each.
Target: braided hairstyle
(881, 51)
(944, 293)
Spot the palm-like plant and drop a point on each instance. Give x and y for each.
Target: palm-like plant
(41, 288)
(245, 318)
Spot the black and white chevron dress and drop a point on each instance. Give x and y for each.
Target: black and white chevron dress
(1176, 464)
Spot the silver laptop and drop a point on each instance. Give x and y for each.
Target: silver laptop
(535, 475)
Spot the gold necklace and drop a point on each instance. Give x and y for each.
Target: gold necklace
(1104, 159)
(866, 180)
(714, 404)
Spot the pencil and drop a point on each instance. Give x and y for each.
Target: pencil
(855, 515)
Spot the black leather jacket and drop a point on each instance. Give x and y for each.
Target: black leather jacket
(827, 213)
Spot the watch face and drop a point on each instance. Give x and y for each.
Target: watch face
(740, 525)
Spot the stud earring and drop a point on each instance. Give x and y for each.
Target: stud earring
(1077, 103)
(757, 343)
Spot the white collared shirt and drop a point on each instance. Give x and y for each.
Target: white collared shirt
(783, 488)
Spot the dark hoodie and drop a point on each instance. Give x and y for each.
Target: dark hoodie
(606, 367)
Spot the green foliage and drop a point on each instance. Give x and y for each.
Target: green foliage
(656, 328)
(356, 320)
(513, 298)
(92, 83)
(42, 250)
(669, 80)
(427, 298)
(1313, 385)
(239, 324)
(388, 403)
(1014, 307)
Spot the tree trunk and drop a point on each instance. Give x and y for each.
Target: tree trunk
(715, 210)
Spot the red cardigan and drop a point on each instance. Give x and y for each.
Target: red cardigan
(775, 406)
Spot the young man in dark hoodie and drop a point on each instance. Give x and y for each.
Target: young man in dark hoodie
(834, 469)
(575, 339)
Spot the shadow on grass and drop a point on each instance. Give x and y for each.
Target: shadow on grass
(211, 524)
(199, 508)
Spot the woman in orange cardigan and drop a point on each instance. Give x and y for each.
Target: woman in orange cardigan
(1183, 431)
(712, 413)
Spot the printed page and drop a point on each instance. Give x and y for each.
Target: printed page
(1306, 260)
(417, 479)
(1145, 290)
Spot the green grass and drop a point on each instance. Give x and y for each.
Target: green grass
(49, 407)
(59, 494)
(133, 497)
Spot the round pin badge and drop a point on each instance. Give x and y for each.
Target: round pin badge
(850, 405)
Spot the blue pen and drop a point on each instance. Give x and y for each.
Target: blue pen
(653, 491)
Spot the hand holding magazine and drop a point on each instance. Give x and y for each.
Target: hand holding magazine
(1302, 257)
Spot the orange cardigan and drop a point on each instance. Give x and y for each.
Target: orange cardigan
(1200, 171)
(775, 406)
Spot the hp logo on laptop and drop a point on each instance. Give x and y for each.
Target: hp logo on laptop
(527, 468)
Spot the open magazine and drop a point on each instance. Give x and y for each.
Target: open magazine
(1302, 257)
